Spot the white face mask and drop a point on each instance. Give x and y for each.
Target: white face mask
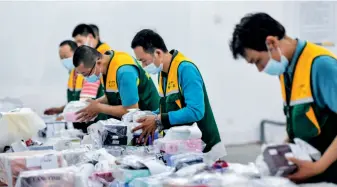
(153, 69)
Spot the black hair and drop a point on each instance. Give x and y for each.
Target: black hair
(95, 29)
(149, 40)
(86, 55)
(83, 30)
(70, 43)
(252, 31)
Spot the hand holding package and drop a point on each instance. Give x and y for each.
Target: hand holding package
(71, 108)
(274, 161)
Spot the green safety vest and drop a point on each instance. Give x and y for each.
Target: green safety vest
(305, 120)
(147, 92)
(173, 99)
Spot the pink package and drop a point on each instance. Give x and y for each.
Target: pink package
(71, 117)
(103, 177)
(180, 146)
(11, 164)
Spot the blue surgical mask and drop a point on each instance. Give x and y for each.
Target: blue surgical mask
(93, 78)
(87, 43)
(68, 63)
(153, 69)
(275, 67)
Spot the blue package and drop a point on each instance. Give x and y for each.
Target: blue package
(136, 138)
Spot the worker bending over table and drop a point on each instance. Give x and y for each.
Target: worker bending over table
(184, 98)
(308, 77)
(78, 88)
(127, 85)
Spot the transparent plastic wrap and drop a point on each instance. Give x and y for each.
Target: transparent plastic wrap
(131, 120)
(11, 164)
(134, 114)
(48, 178)
(198, 180)
(151, 181)
(19, 124)
(75, 157)
(132, 167)
(273, 160)
(107, 133)
(71, 108)
(179, 146)
(114, 134)
(182, 160)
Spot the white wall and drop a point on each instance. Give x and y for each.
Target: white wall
(240, 96)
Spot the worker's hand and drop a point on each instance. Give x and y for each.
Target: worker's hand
(53, 111)
(148, 126)
(306, 169)
(86, 114)
(286, 140)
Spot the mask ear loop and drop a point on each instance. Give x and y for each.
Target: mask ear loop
(269, 53)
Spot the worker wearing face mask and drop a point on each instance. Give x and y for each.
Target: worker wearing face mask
(126, 84)
(83, 34)
(308, 77)
(184, 98)
(78, 88)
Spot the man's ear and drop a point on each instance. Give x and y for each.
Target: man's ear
(272, 42)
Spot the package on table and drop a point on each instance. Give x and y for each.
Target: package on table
(11, 164)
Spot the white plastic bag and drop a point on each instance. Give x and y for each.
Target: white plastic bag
(17, 125)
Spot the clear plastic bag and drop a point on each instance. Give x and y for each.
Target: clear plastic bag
(107, 133)
(17, 125)
(179, 146)
(48, 178)
(151, 181)
(182, 160)
(11, 164)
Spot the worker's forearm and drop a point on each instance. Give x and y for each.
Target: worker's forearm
(116, 111)
(103, 100)
(330, 155)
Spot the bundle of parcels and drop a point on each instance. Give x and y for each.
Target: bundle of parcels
(111, 133)
(13, 164)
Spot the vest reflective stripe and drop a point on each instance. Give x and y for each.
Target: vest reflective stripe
(79, 81)
(119, 59)
(302, 101)
(103, 48)
(172, 83)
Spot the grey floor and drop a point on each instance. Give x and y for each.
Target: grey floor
(243, 154)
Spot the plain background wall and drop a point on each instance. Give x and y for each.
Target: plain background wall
(240, 96)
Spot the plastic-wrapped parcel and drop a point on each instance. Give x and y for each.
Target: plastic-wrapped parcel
(273, 160)
(17, 125)
(66, 177)
(71, 108)
(111, 132)
(11, 164)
